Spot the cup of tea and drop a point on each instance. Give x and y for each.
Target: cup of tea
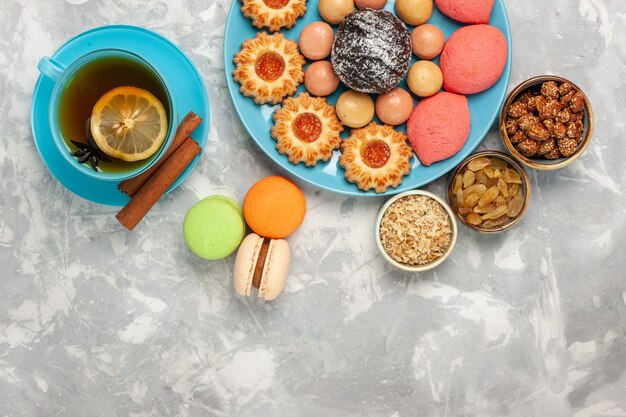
(112, 115)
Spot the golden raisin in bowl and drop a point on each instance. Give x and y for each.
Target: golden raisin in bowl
(489, 191)
(546, 122)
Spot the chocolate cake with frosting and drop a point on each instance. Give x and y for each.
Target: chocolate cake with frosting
(372, 51)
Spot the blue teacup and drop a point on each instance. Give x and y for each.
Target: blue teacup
(64, 75)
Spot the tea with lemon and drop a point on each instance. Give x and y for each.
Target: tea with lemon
(124, 104)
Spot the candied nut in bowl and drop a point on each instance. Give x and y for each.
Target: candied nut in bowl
(416, 231)
(546, 122)
(489, 191)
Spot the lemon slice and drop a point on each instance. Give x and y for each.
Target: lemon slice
(129, 123)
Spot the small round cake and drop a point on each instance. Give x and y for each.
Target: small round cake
(439, 127)
(372, 51)
(467, 11)
(473, 59)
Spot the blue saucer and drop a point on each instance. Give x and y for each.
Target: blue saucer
(179, 72)
(484, 107)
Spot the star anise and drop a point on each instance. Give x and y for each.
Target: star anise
(88, 151)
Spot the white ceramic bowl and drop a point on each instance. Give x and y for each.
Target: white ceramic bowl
(438, 261)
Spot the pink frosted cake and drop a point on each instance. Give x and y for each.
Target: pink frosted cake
(473, 59)
(439, 127)
(466, 11)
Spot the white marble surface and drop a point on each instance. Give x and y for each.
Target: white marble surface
(96, 321)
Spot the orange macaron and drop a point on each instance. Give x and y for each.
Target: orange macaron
(274, 207)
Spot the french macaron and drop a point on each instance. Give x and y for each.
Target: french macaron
(214, 227)
(274, 207)
(261, 263)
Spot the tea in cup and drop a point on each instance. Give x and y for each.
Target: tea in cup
(111, 113)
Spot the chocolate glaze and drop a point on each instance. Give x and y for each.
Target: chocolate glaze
(372, 51)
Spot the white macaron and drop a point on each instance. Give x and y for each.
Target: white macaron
(261, 263)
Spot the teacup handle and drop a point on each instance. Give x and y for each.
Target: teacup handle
(51, 68)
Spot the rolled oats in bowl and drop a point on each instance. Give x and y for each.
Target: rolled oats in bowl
(416, 231)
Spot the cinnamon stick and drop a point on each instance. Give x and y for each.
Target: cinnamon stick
(158, 183)
(186, 127)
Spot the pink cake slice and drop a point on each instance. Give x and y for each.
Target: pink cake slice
(439, 126)
(466, 11)
(473, 59)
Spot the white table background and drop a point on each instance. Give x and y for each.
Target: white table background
(97, 321)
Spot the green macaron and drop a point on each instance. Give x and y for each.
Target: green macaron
(214, 227)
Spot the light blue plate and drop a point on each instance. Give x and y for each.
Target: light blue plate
(484, 107)
(179, 72)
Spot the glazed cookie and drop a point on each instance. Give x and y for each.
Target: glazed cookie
(473, 59)
(306, 129)
(376, 156)
(269, 68)
(466, 11)
(439, 127)
(273, 14)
